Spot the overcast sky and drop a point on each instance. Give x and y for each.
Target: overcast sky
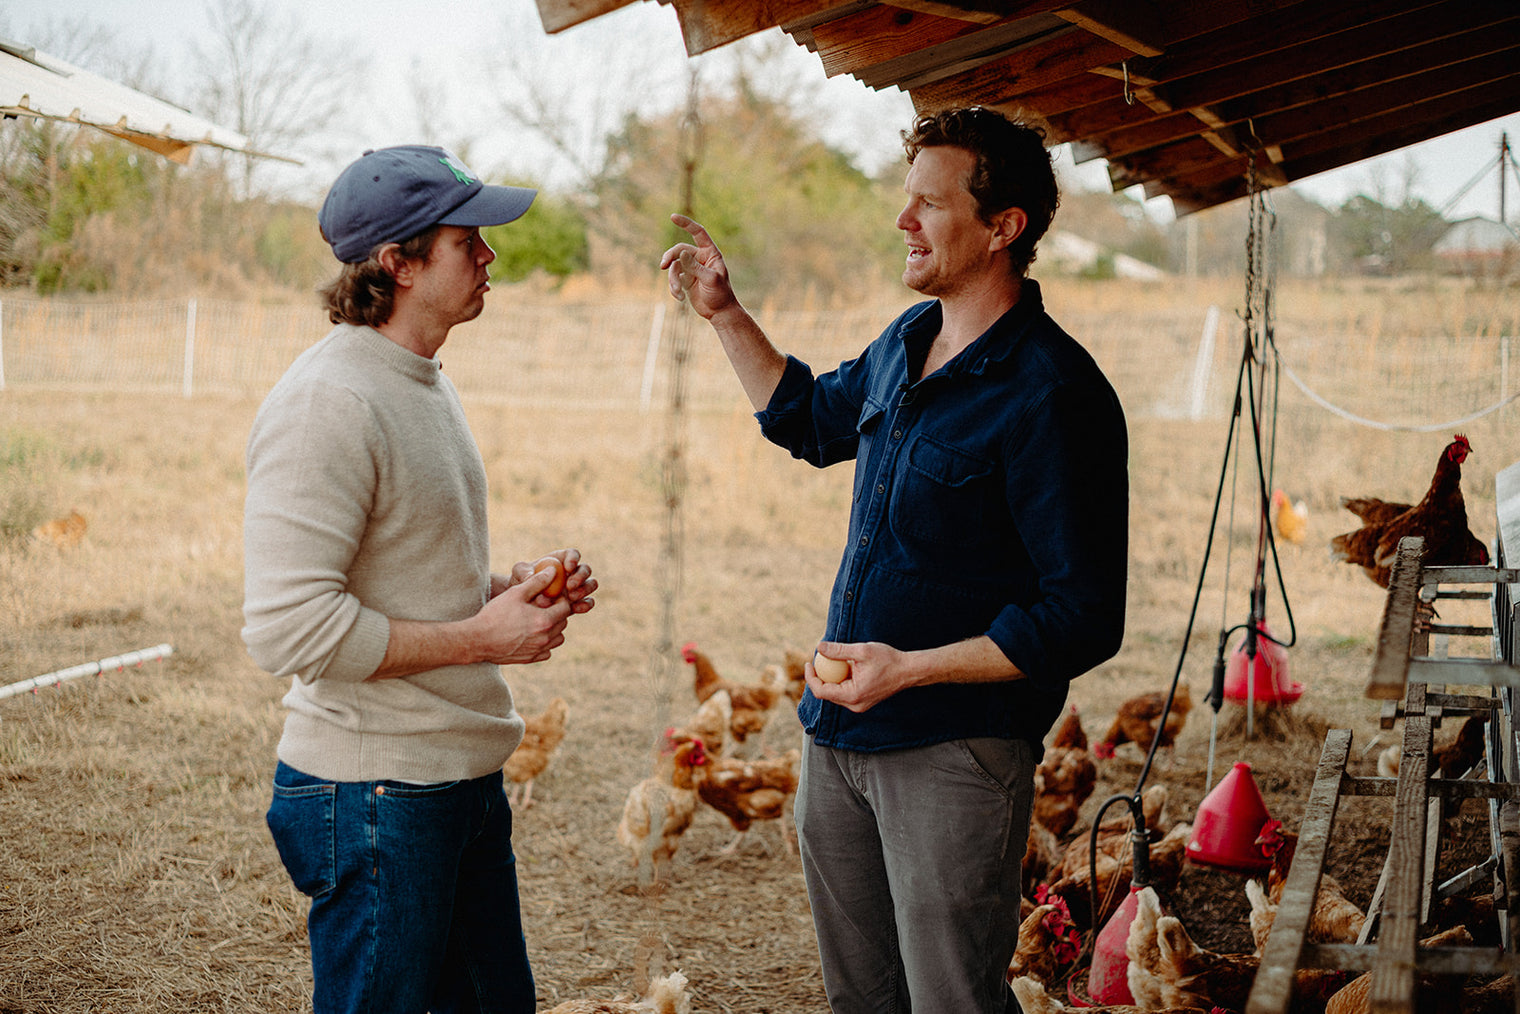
(445, 38)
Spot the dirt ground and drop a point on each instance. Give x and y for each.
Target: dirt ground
(138, 875)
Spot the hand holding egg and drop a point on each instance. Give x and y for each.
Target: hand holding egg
(831, 670)
(557, 583)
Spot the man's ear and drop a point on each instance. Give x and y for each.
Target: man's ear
(1007, 226)
(398, 267)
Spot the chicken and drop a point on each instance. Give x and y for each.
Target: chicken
(1290, 519)
(1048, 942)
(1137, 717)
(65, 532)
(796, 679)
(752, 703)
(540, 739)
(1065, 777)
(1042, 856)
(710, 724)
(1452, 758)
(1335, 918)
(1441, 518)
(1167, 969)
(665, 995)
(1465, 751)
(745, 791)
(1033, 998)
(659, 809)
(1354, 997)
(1115, 872)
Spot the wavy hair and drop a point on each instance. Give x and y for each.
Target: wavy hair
(1013, 168)
(365, 293)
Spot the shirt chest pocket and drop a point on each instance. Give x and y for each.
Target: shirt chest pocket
(943, 494)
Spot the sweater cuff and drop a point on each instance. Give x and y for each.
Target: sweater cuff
(362, 649)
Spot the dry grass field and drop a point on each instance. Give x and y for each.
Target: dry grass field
(137, 875)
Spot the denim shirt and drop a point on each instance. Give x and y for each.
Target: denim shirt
(990, 498)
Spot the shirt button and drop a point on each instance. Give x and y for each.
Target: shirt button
(897, 434)
(849, 595)
(864, 539)
(881, 487)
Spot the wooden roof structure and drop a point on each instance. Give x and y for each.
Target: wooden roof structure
(1181, 97)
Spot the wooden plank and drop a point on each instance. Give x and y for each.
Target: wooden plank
(985, 13)
(1509, 836)
(558, 15)
(1247, 91)
(1390, 663)
(1056, 49)
(967, 51)
(1464, 671)
(879, 34)
(1136, 27)
(706, 26)
(1272, 989)
(1352, 59)
(1002, 81)
(1393, 967)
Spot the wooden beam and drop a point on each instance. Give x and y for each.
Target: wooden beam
(1337, 145)
(897, 51)
(1002, 81)
(1342, 63)
(707, 25)
(878, 34)
(1272, 988)
(1133, 24)
(968, 52)
(976, 13)
(558, 15)
(1105, 133)
(1393, 985)
(1271, 30)
(1342, 112)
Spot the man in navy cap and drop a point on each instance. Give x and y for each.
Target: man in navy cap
(368, 584)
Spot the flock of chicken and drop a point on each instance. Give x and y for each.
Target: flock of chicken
(712, 759)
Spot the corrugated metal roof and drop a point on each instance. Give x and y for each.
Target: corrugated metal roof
(34, 84)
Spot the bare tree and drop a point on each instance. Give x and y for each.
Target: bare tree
(274, 82)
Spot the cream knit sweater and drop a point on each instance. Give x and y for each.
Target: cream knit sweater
(367, 500)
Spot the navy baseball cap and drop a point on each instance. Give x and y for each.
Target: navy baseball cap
(392, 194)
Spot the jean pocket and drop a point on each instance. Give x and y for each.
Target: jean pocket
(301, 820)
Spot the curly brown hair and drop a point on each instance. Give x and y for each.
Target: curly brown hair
(1013, 168)
(365, 293)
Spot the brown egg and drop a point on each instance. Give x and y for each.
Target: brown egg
(557, 585)
(831, 670)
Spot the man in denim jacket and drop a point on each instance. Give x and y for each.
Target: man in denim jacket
(984, 569)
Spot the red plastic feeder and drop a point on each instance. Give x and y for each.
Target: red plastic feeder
(1108, 977)
(1229, 821)
(1268, 683)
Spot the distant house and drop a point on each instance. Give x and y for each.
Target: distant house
(1479, 247)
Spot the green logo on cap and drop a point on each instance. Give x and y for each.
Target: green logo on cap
(460, 172)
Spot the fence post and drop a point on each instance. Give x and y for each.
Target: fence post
(1204, 364)
(651, 356)
(189, 347)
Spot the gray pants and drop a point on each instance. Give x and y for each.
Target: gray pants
(913, 864)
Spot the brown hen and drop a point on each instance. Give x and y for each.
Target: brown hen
(1138, 717)
(541, 737)
(1440, 518)
(1065, 776)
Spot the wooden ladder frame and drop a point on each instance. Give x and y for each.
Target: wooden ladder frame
(1404, 675)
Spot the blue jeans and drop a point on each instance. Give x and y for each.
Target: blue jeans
(413, 891)
(913, 861)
